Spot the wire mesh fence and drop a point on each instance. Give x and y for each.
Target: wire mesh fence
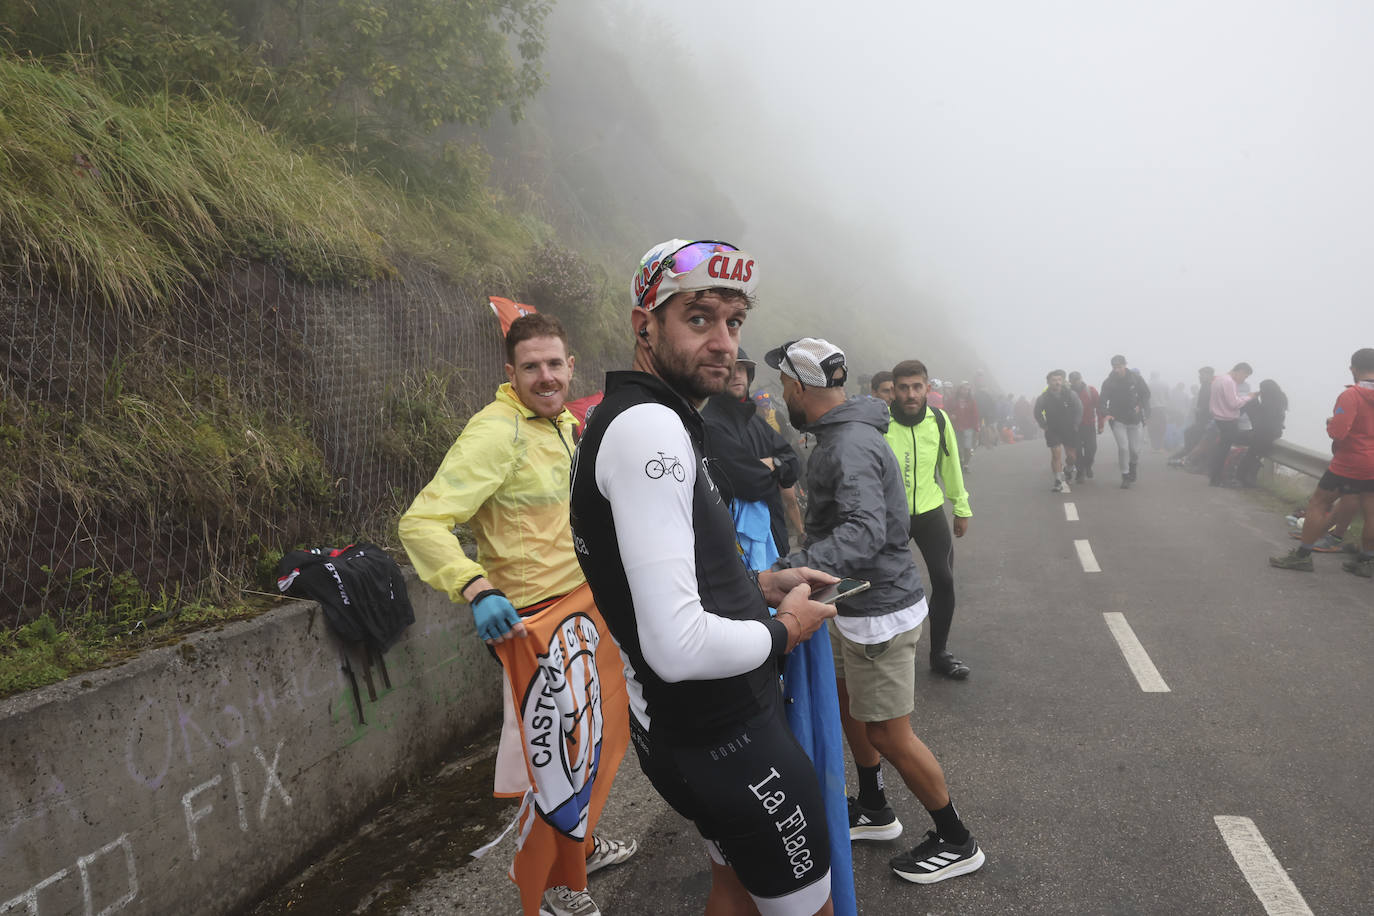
(160, 457)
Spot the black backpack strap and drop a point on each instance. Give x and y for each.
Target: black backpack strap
(940, 425)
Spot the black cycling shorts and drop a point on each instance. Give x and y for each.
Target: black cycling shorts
(1057, 437)
(1335, 483)
(753, 792)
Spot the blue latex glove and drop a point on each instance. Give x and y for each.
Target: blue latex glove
(494, 616)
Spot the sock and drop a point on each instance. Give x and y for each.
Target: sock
(871, 794)
(1304, 550)
(949, 826)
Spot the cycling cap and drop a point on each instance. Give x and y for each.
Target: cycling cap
(811, 361)
(680, 265)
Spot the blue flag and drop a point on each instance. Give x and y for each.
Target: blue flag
(813, 711)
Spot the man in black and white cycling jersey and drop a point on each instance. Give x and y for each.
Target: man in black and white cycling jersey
(656, 540)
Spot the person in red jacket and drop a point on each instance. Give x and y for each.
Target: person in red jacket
(1351, 428)
(963, 411)
(1087, 427)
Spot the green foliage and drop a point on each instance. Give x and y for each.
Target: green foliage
(421, 62)
(374, 67)
(423, 420)
(45, 650)
(132, 203)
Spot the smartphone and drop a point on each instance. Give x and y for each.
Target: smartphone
(841, 589)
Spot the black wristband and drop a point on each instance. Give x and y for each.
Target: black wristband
(480, 595)
(778, 631)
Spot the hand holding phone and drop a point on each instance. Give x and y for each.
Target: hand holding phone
(841, 589)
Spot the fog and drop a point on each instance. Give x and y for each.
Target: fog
(1028, 185)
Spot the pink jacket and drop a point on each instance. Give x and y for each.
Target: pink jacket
(1226, 403)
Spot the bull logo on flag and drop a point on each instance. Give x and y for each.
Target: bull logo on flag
(563, 722)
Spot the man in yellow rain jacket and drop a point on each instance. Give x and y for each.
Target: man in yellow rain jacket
(507, 477)
(925, 441)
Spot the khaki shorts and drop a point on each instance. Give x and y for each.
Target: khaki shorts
(880, 678)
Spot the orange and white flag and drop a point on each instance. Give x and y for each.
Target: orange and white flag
(569, 690)
(507, 310)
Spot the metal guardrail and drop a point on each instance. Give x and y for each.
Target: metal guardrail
(1303, 460)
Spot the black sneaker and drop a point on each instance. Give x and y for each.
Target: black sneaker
(1058, 486)
(935, 860)
(872, 825)
(1090, 473)
(945, 663)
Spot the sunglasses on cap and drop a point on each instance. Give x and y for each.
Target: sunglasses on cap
(682, 261)
(828, 367)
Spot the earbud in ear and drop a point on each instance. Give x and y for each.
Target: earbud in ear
(644, 332)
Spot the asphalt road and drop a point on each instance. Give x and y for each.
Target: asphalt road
(1089, 794)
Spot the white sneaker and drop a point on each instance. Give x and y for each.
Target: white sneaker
(563, 901)
(609, 852)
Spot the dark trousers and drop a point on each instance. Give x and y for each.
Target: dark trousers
(1260, 447)
(1229, 431)
(1087, 446)
(930, 531)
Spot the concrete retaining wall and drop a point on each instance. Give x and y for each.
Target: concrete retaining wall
(193, 778)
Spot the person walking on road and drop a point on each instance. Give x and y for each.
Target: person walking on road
(507, 477)
(657, 543)
(1058, 412)
(987, 410)
(1202, 417)
(856, 526)
(923, 446)
(1125, 404)
(1086, 440)
(963, 410)
(1226, 404)
(1351, 471)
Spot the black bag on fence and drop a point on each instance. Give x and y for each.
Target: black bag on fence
(359, 586)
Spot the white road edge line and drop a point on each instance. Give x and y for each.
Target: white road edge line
(1267, 878)
(1085, 556)
(1070, 512)
(1146, 674)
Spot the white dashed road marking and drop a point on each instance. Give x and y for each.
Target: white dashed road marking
(1070, 512)
(1085, 556)
(1146, 674)
(1267, 877)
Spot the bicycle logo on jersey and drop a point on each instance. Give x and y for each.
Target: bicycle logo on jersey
(662, 465)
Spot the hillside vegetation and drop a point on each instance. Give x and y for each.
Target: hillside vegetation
(146, 164)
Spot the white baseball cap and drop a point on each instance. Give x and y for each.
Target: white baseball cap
(811, 361)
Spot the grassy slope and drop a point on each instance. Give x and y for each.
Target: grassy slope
(130, 205)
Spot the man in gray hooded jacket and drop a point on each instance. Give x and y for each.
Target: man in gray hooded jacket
(856, 527)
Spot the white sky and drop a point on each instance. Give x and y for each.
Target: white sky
(1185, 183)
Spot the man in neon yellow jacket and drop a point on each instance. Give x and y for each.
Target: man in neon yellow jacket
(925, 444)
(507, 476)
